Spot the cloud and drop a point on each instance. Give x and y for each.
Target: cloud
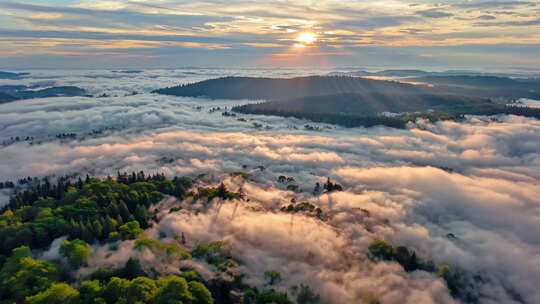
(477, 210)
(53, 253)
(531, 22)
(249, 33)
(494, 4)
(302, 249)
(376, 22)
(82, 16)
(486, 17)
(434, 13)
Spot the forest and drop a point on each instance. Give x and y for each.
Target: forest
(87, 212)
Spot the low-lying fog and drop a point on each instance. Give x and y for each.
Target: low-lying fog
(478, 180)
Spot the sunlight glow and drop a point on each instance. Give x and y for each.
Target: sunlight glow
(306, 38)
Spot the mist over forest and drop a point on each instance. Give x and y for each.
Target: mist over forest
(114, 191)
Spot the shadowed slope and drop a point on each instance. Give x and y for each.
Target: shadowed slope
(270, 89)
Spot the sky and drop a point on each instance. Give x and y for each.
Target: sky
(277, 33)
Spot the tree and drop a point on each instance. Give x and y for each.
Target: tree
(407, 258)
(97, 228)
(191, 275)
(115, 289)
(380, 250)
(132, 269)
(173, 289)
(86, 232)
(113, 236)
(222, 191)
(90, 291)
(77, 252)
(141, 215)
(80, 183)
(307, 296)
(141, 289)
(331, 187)
(271, 296)
(57, 293)
(272, 277)
(317, 189)
(108, 226)
(23, 276)
(200, 293)
(124, 211)
(130, 230)
(451, 277)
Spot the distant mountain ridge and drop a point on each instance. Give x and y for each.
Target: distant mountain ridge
(422, 73)
(17, 92)
(11, 75)
(489, 85)
(286, 88)
(4, 98)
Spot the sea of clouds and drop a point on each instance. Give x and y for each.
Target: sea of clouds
(478, 180)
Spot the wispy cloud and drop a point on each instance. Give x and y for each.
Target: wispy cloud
(258, 28)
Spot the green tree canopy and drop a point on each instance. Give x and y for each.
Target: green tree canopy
(141, 289)
(130, 230)
(173, 289)
(22, 275)
(201, 294)
(77, 252)
(91, 291)
(57, 293)
(115, 289)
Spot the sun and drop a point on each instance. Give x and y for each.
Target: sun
(306, 38)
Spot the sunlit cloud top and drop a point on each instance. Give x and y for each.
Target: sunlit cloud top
(97, 33)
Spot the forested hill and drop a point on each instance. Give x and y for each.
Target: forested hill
(272, 89)
(354, 101)
(373, 103)
(10, 75)
(6, 98)
(367, 110)
(17, 92)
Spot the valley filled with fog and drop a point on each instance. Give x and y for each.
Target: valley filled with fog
(460, 193)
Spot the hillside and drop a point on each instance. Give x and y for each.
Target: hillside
(271, 89)
(421, 73)
(374, 103)
(10, 75)
(352, 110)
(6, 98)
(16, 92)
(355, 101)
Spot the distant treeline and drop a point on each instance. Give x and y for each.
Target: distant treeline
(399, 121)
(344, 120)
(10, 93)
